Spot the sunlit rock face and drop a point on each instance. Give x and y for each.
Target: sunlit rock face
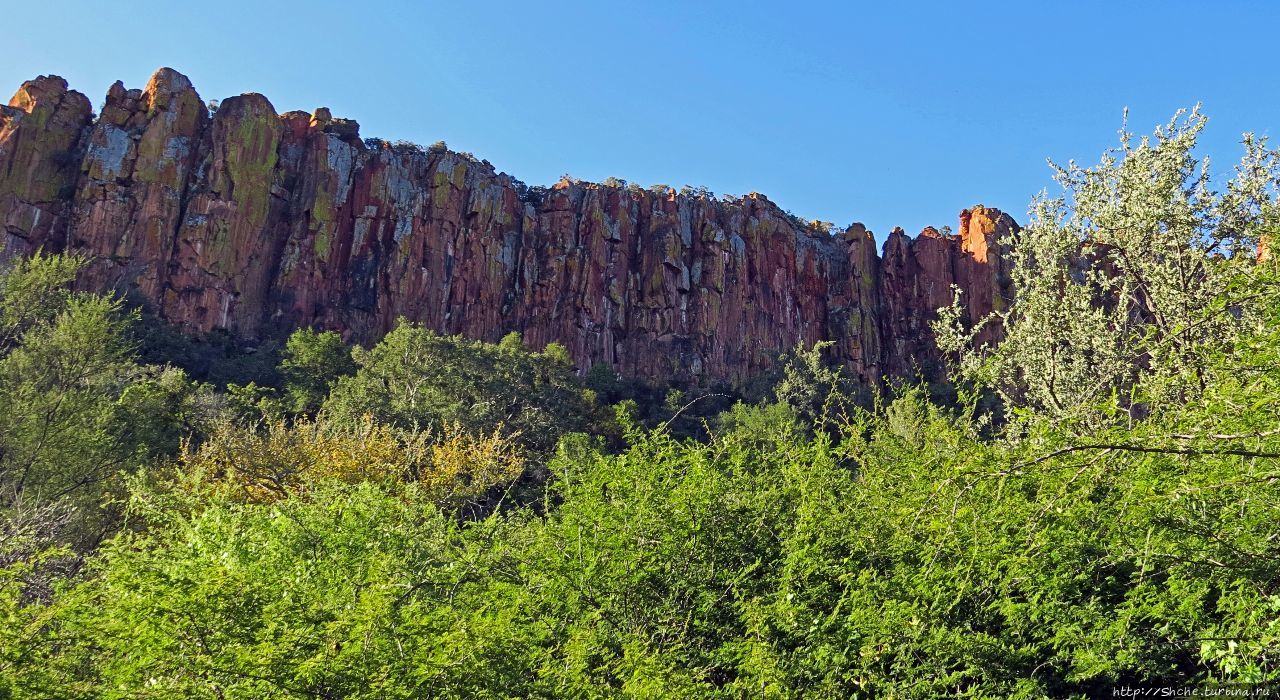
(41, 131)
(137, 163)
(256, 222)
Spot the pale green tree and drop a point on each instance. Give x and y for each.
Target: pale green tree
(1124, 279)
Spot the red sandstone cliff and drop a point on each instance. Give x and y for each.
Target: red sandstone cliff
(256, 222)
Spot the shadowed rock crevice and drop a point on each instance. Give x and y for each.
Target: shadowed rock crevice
(257, 222)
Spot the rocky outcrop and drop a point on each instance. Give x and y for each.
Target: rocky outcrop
(918, 277)
(138, 161)
(40, 134)
(258, 222)
(982, 268)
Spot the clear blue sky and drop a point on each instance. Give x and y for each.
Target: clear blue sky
(889, 113)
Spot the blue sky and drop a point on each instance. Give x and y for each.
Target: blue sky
(893, 114)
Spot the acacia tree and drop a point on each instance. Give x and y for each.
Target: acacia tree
(1123, 281)
(76, 408)
(417, 379)
(312, 363)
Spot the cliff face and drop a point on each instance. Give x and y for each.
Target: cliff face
(256, 223)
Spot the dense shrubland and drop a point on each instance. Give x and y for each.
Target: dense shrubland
(439, 517)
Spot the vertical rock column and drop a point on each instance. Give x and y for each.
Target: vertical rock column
(982, 268)
(139, 159)
(232, 234)
(861, 339)
(319, 157)
(40, 133)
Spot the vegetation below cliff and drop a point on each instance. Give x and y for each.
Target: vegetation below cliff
(1092, 506)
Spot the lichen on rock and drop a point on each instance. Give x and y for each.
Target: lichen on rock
(257, 222)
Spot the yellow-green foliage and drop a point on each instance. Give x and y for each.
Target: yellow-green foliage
(283, 460)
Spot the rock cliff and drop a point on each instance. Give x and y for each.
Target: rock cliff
(258, 222)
